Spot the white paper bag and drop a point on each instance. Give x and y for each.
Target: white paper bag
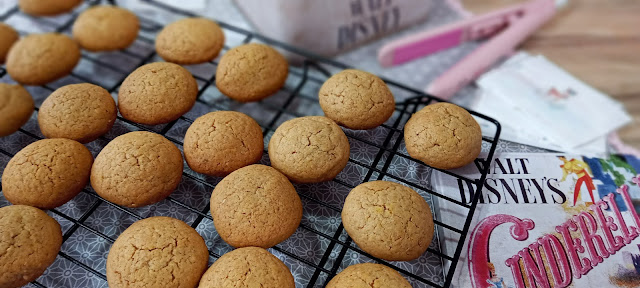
(327, 27)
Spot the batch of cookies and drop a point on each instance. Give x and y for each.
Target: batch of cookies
(254, 207)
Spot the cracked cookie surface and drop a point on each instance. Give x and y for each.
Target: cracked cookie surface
(247, 267)
(8, 36)
(47, 7)
(251, 72)
(47, 173)
(356, 99)
(221, 142)
(367, 275)
(157, 252)
(16, 107)
(443, 135)
(38, 59)
(137, 169)
(388, 220)
(29, 242)
(255, 206)
(81, 112)
(190, 41)
(105, 28)
(157, 93)
(309, 149)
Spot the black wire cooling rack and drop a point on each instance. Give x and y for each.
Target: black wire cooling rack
(336, 245)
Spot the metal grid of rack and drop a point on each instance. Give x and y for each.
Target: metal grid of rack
(388, 145)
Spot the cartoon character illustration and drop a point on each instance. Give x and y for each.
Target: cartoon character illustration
(628, 272)
(582, 171)
(636, 261)
(495, 280)
(557, 94)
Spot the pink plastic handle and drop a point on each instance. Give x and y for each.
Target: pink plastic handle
(500, 46)
(434, 40)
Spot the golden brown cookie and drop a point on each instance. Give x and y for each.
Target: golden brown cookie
(309, 149)
(137, 169)
(367, 275)
(47, 173)
(81, 112)
(404, 214)
(41, 58)
(47, 7)
(8, 36)
(157, 93)
(356, 99)
(29, 242)
(255, 206)
(443, 136)
(251, 72)
(190, 41)
(245, 268)
(16, 107)
(106, 28)
(220, 142)
(157, 252)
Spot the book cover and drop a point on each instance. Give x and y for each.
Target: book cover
(548, 220)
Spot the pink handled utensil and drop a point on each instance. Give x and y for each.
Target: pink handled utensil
(507, 28)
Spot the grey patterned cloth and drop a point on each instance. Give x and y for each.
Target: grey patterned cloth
(90, 224)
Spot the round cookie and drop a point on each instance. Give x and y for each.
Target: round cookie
(255, 206)
(41, 58)
(137, 169)
(443, 136)
(16, 107)
(8, 36)
(247, 267)
(81, 112)
(364, 275)
(309, 149)
(105, 28)
(47, 7)
(405, 215)
(190, 41)
(251, 72)
(29, 242)
(157, 252)
(219, 143)
(356, 99)
(157, 93)
(47, 173)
